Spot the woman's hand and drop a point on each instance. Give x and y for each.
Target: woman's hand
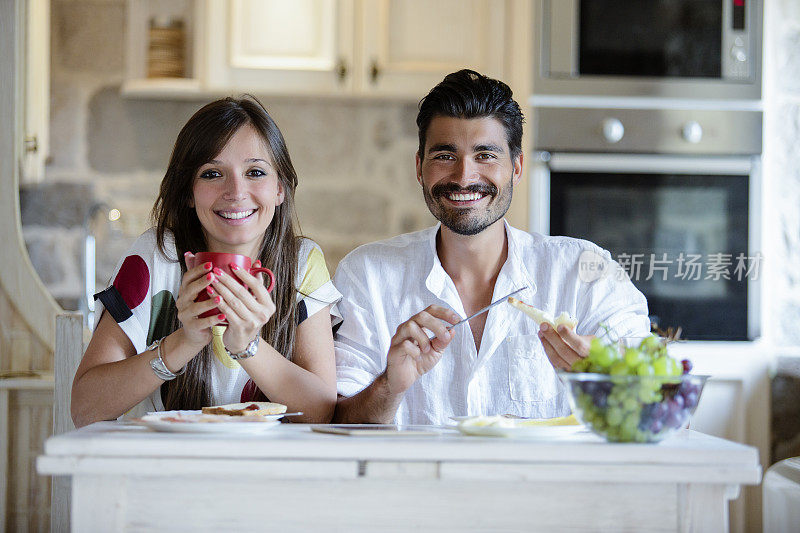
(247, 308)
(198, 278)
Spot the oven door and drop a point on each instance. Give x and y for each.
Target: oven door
(676, 48)
(684, 228)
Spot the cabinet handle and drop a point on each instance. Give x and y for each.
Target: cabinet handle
(375, 71)
(341, 69)
(31, 144)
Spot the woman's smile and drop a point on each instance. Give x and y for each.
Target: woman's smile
(236, 217)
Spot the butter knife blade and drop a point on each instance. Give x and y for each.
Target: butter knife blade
(498, 301)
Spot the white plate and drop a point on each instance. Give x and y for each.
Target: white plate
(196, 422)
(523, 432)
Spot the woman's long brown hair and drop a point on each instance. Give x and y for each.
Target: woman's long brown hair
(202, 138)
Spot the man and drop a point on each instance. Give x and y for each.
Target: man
(388, 370)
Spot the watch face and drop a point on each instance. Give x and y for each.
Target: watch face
(250, 351)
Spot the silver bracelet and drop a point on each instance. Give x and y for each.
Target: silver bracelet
(250, 351)
(158, 365)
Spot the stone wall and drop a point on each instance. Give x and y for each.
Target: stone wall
(354, 159)
(782, 219)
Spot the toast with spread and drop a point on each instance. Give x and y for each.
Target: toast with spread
(246, 409)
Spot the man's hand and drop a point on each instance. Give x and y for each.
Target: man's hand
(563, 347)
(412, 353)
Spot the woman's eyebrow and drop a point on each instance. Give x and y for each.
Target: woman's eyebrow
(251, 160)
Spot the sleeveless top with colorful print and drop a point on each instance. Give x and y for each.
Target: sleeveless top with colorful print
(142, 301)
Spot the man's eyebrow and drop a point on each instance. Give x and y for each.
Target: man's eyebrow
(442, 147)
(487, 148)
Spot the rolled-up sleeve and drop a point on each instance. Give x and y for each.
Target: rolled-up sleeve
(359, 357)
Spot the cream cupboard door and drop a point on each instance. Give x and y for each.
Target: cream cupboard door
(36, 97)
(410, 45)
(301, 46)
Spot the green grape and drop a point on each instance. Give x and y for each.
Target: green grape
(596, 346)
(676, 368)
(645, 369)
(630, 404)
(619, 368)
(614, 416)
(661, 366)
(649, 344)
(633, 357)
(581, 365)
(605, 357)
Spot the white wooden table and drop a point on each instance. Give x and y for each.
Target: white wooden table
(290, 479)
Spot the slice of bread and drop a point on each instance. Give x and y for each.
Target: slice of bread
(246, 409)
(542, 316)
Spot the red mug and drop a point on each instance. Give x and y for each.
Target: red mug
(223, 261)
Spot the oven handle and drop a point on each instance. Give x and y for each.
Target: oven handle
(647, 163)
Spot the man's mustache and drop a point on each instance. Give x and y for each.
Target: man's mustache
(442, 189)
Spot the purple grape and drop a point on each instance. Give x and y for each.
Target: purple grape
(673, 420)
(675, 404)
(600, 398)
(656, 426)
(690, 400)
(687, 366)
(659, 411)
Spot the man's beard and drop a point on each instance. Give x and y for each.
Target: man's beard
(468, 220)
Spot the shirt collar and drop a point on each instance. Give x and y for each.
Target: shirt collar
(514, 270)
(513, 275)
(437, 277)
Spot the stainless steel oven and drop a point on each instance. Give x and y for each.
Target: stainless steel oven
(661, 48)
(681, 215)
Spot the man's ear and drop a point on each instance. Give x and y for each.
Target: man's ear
(419, 167)
(517, 175)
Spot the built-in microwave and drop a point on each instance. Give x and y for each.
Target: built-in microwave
(697, 49)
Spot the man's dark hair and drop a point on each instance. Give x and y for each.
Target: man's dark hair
(468, 94)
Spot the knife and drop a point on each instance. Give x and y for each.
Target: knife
(473, 315)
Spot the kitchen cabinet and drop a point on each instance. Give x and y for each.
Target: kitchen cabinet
(410, 45)
(397, 48)
(36, 91)
(272, 46)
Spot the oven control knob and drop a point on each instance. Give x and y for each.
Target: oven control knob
(738, 54)
(613, 130)
(692, 132)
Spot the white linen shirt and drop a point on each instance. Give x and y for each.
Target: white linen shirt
(385, 283)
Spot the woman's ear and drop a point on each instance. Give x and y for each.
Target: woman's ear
(281, 194)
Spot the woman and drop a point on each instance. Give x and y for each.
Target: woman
(229, 188)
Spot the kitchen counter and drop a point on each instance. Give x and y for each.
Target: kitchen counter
(292, 479)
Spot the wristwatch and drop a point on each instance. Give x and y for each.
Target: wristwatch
(159, 366)
(250, 351)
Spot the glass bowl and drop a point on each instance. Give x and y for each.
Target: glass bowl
(633, 408)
